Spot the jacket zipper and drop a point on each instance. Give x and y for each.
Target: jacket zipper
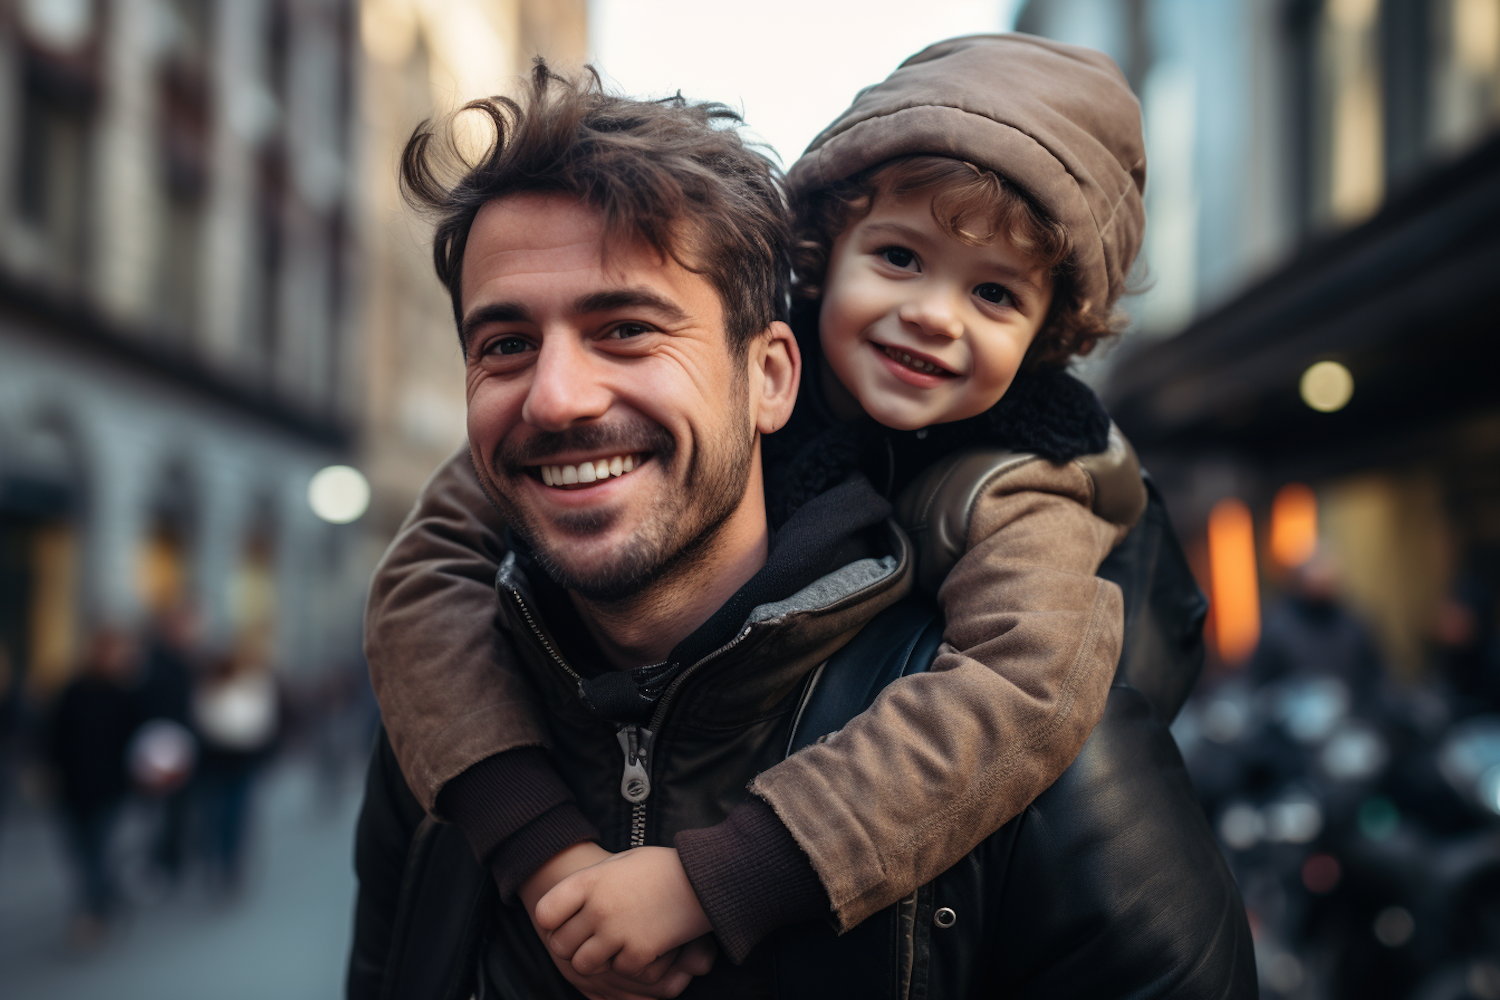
(542, 637)
(635, 741)
(638, 806)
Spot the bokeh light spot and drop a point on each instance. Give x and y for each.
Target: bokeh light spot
(1327, 386)
(1378, 817)
(1394, 926)
(339, 494)
(1321, 873)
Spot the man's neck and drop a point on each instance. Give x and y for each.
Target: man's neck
(644, 629)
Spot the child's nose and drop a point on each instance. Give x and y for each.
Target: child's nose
(934, 316)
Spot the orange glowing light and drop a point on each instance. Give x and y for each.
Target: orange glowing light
(1294, 525)
(1236, 593)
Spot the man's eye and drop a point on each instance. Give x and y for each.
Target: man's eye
(994, 293)
(510, 345)
(898, 257)
(625, 331)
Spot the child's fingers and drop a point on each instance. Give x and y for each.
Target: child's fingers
(632, 961)
(566, 940)
(594, 956)
(652, 973)
(561, 901)
(673, 983)
(696, 957)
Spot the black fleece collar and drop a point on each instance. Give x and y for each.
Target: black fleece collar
(1046, 411)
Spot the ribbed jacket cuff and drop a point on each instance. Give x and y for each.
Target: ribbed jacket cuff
(751, 877)
(516, 813)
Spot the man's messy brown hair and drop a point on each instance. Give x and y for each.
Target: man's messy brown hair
(672, 175)
(974, 206)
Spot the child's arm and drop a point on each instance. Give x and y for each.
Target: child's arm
(437, 663)
(942, 759)
(463, 722)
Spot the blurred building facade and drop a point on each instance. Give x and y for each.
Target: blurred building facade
(1322, 188)
(178, 349)
(209, 289)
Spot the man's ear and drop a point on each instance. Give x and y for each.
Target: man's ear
(775, 372)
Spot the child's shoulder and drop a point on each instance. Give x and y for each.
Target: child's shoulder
(939, 506)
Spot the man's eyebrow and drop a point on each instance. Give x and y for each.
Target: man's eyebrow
(494, 312)
(630, 298)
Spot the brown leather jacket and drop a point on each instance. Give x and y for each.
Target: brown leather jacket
(1033, 639)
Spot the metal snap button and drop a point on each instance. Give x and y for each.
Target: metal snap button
(945, 917)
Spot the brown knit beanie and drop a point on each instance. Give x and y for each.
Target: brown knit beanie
(1058, 121)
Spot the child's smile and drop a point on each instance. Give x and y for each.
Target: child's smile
(920, 328)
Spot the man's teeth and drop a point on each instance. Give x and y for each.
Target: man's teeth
(587, 472)
(916, 364)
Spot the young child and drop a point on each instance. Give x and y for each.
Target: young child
(964, 230)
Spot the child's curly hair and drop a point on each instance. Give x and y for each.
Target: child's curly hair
(974, 206)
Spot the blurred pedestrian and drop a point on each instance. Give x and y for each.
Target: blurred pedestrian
(1311, 633)
(1468, 647)
(237, 715)
(165, 695)
(92, 725)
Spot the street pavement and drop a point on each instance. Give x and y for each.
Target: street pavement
(284, 936)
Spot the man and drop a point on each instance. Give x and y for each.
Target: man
(608, 313)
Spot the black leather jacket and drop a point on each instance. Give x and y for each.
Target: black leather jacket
(1109, 885)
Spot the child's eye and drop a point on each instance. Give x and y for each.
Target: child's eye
(994, 293)
(898, 257)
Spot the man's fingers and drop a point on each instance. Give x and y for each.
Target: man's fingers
(561, 901)
(696, 957)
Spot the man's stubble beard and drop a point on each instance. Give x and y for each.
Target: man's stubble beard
(673, 536)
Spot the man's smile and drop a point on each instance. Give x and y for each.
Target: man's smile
(586, 472)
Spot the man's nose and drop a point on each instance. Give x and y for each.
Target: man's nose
(933, 314)
(566, 388)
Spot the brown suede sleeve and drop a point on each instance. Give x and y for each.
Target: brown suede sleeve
(443, 673)
(944, 758)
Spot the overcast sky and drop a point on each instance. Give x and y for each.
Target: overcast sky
(791, 66)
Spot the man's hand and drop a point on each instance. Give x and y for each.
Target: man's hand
(625, 913)
(665, 977)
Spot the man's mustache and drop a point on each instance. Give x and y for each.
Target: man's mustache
(631, 437)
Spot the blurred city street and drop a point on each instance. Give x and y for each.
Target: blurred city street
(227, 368)
(286, 936)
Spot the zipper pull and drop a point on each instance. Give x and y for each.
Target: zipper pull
(635, 743)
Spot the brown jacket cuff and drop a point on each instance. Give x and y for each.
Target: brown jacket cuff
(751, 877)
(516, 813)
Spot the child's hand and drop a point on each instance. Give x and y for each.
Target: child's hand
(666, 977)
(624, 913)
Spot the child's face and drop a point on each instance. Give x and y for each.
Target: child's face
(919, 328)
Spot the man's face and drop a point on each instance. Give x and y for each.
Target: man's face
(921, 328)
(607, 416)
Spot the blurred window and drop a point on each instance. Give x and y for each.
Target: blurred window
(183, 93)
(1466, 91)
(1349, 112)
(59, 95)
